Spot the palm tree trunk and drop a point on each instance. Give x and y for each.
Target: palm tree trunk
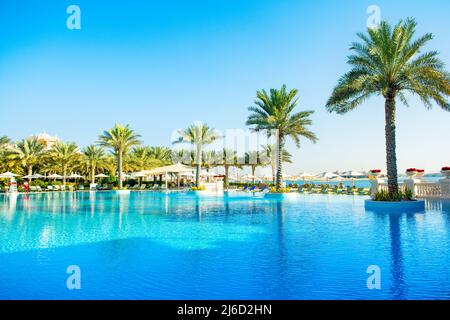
(391, 157)
(93, 174)
(273, 163)
(198, 161)
(119, 169)
(253, 173)
(274, 171)
(225, 180)
(280, 146)
(64, 176)
(30, 170)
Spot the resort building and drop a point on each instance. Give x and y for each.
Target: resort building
(47, 139)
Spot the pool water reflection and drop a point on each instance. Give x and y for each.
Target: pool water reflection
(152, 245)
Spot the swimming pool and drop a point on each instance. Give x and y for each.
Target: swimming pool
(152, 245)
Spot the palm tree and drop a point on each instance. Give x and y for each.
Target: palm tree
(254, 159)
(269, 151)
(161, 154)
(390, 63)
(29, 152)
(94, 156)
(7, 157)
(210, 159)
(120, 139)
(65, 156)
(141, 158)
(274, 112)
(199, 135)
(182, 156)
(227, 158)
(4, 141)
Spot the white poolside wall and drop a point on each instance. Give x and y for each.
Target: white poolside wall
(420, 188)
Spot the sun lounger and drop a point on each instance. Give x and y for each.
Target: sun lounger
(38, 189)
(50, 188)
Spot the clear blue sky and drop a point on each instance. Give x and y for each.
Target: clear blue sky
(161, 65)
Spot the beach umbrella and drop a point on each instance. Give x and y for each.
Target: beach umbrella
(287, 176)
(138, 175)
(249, 177)
(305, 176)
(353, 174)
(187, 174)
(101, 175)
(8, 175)
(75, 176)
(54, 176)
(328, 176)
(208, 174)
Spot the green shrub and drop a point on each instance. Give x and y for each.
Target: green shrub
(384, 195)
(281, 190)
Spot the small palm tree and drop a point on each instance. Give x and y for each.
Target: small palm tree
(389, 62)
(269, 151)
(210, 159)
(4, 141)
(275, 112)
(254, 159)
(8, 158)
(140, 158)
(182, 156)
(227, 158)
(161, 154)
(65, 156)
(120, 139)
(199, 135)
(29, 152)
(94, 156)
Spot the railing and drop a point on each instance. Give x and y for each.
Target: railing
(420, 189)
(428, 190)
(383, 186)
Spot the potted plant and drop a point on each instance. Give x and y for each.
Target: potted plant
(446, 172)
(411, 172)
(375, 173)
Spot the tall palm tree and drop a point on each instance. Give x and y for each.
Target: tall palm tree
(390, 63)
(65, 156)
(275, 112)
(93, 156)
(29, 152)
(199, 135)
(120, 139)
(270, 153)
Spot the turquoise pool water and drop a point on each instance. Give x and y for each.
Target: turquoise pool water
(151, 245)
